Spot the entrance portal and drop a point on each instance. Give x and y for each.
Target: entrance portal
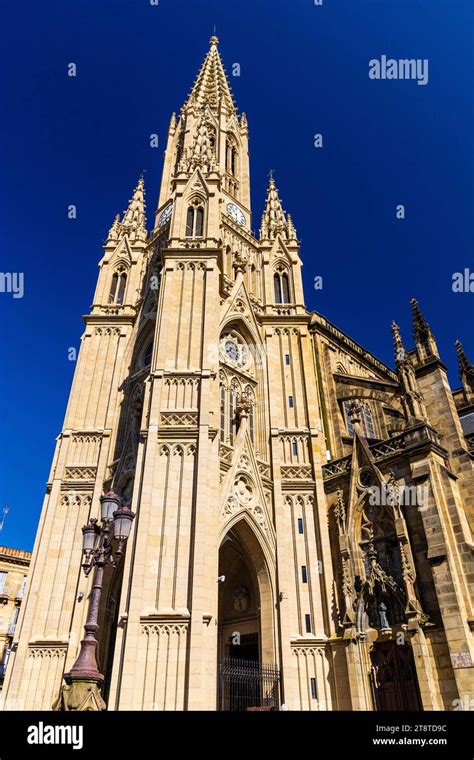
(394, 677)
(248, 677)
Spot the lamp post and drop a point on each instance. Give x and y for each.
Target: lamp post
(84, 680)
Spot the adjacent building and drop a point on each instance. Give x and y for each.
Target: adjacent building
(14, 564)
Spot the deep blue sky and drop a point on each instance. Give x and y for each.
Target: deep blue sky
(304, 70)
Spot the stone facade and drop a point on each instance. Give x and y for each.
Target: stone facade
(302, 509)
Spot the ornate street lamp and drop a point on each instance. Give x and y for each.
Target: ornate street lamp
(83, 681)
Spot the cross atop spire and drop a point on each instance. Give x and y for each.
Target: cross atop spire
(274, 219)
(211, 84)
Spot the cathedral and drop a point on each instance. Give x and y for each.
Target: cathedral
(300, 515)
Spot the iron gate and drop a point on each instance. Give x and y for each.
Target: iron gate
(245, 683)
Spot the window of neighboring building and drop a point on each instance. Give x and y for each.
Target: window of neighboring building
(3, 578)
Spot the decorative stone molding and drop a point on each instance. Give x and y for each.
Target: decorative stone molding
(80, 473)
(264, 470)
(179, 419)
(286, 331)
(163, 629)
(75, 500)
(190, 265)
(86, 437)
(299, 500)
(107, 331)
(225, 453)
(296, 472)
(388, 447)
(177, 449)
(243, 498)
(45, 651)
(338, 467)
(308, 651)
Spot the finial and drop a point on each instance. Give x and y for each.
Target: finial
(214, 40)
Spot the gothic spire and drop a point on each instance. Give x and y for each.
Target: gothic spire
(423, 337)
(274, 220)
(399, 346)
(211, 85)
(466, 372)
(134, 218)
(412, 399)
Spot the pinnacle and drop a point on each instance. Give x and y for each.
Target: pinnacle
(463, 360)
(274, 219)
(134, 220)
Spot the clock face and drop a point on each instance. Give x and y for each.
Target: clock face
(165, 215)
(236, 214)
(232, 350)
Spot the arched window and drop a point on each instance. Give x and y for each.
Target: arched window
(121, 288)
(366, 420)
(113, 288)
(282, 286)
(199, 228)
(277, 283)
(222, 413)
(233, 392)
(148, 354)
(369, 426)
(195, 220)
(347, 410)
(190, 222)
(231, 156)
(118, 285)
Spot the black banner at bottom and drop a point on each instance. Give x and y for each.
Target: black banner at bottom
(68, 734)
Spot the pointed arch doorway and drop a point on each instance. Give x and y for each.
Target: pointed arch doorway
(248, 675)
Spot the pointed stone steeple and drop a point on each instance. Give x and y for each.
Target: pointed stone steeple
(211, 85)
(134, 218)
(274, 220)
(114, 231)
(424, 339)
(412, 400)
(399, 346)
(466, 372)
